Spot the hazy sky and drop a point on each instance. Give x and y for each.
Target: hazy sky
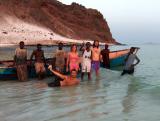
(130, 21)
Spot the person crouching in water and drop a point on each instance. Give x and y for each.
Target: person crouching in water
(20, 60)
(40, 62)
(96, 57)
(129, 62)
(86, 61)
(65, 80)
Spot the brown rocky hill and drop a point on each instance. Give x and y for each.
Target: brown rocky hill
(30, 17)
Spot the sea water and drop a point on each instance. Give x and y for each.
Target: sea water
(109, 98)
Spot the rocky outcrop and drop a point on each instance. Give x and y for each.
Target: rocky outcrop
(71, 21)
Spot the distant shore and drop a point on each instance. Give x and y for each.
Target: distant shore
(56, 43)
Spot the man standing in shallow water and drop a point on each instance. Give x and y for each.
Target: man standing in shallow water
(40, 62)
(20, 60)
(105, 57)
(60, 56)
(86, 61)
(129, 62)
(96, 57)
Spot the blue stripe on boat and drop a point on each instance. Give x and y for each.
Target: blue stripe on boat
(117, 61)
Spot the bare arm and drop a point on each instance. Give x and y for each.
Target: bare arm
(138, 60)
(100, 56)
(67, 61)
(82, 48)
(43, 58)
(57, 73)
(15, 60)
(91, 55)
(79, 61)
(32, 56)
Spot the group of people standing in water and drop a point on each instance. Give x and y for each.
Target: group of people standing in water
(87, 58)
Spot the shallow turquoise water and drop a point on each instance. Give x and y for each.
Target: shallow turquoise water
(111, 97)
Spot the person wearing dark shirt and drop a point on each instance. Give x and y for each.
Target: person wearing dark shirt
(105, 57)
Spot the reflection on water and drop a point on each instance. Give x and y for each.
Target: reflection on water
(106, 99)
(110, 98)
(129, 100)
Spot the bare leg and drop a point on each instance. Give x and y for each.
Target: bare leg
(89, 76)
(39, 75)
(82, 75)
(97, 73)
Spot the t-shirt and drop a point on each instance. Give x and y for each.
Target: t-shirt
(20, 56)
(130, 61)
(60, 57)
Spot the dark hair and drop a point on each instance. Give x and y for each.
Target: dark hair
(21, 42)
(88, 43)
(73, 46)
(132, 48)
(73, 70)
(106, 46)
(60, 43)
(39, 45)
(94, 43)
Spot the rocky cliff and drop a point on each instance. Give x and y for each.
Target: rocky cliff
(44, 20)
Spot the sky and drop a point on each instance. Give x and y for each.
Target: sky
(130, 21)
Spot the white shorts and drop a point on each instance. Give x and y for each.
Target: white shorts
(86, 66)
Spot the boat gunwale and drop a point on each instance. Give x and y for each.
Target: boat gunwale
(7, 61)
(119, 50)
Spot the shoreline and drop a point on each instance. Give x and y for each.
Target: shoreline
(56, 43)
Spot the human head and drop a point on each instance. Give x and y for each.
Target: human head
(88, 44)
(74, 48)
(132, 49)
(73, 73)
(106, 46)
(96, 43)
(83, 43)
(60, 46)
(39, 46)
(21, 44)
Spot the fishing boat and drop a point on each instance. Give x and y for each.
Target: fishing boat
(8, 71)
(117, 58)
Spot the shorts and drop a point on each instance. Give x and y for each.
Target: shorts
(127, 72)
(39, 67)
(86, 66)
(56, 83)
(95, 65)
